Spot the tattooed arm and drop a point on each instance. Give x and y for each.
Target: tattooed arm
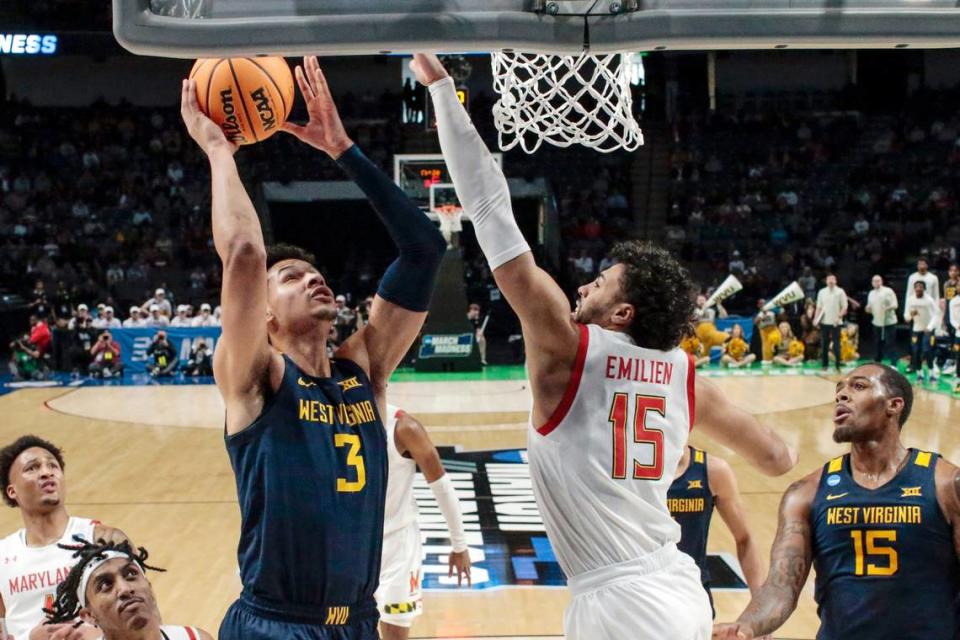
(790, 561)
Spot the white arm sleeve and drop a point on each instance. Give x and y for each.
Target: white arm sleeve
(446, 497)
(478, 181)
(955, 312)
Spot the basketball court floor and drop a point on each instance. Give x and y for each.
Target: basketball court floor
(150, 459)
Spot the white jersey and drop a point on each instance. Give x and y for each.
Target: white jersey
(603, 463)
(401, 506)
(29, 575)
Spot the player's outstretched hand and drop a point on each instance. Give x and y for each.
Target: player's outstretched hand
(427, 68)
(325, 130)
(460, 561)
(202, 129)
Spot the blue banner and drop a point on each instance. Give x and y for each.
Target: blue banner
(135, 342)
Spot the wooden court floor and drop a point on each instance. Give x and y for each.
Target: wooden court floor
(151, 461)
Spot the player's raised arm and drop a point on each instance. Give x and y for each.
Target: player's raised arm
(400, 306)
(790, 560)
(541, 305)
(733, 427)
(243, 353)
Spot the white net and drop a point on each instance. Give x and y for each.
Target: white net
(564, 100)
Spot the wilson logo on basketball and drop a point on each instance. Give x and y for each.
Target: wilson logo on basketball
(231, 124)
(264, 109)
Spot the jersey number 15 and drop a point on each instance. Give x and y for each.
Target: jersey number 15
(642, 434)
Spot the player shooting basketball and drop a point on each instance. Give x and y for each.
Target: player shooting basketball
(613, 401)
(303, 431)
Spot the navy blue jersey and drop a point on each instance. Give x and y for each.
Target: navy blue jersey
(885, 559)
(691, 504)
(311, 478)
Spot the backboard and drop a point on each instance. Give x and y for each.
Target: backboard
(416, 173)
(202, 28)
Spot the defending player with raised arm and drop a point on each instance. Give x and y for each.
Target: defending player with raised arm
(32, 562)
(303, 431)
(881, 526)
(399, 596)
(613, 402)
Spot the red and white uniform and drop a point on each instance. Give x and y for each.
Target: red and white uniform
(399, 596)
(29, 575)
(601, 468)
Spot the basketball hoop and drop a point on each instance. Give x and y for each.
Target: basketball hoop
(564, 100)
(451, 222)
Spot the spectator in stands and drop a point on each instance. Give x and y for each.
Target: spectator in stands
(346, 318)
(84, 335)
(40, 336)
(134, 321)
(923, 314)
(26, 361)
(930, 281)
(160, 300)
(105, 354)
(205, 318)
(107, 320)
(39, 305)
(808, 282)
(831, 310)
(164, 356)
(83, 314)
(333, 341)
(201, 360)
(182, 319)
(156, 319)
(882, 306)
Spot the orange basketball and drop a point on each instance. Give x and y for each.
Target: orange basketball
(250, 98)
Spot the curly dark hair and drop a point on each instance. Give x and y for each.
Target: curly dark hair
(13, 450)
(283, 251)
(660, 290)
(66, 605)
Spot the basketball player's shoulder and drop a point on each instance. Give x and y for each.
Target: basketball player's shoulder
(802, 493)
(12, 541)
(947, 479)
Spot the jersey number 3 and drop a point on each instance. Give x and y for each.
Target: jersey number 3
(354, 459)
(642, 434)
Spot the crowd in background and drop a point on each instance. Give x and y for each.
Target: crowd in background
(103, 205)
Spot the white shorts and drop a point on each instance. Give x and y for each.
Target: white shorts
(399, 597)
(657, 596)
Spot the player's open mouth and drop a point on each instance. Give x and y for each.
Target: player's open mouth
(841, 413)
(48, 485)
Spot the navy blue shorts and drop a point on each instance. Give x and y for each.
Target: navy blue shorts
(242, 623)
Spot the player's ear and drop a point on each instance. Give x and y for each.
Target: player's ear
(11, 492)
(623, 314)
(894, 406)
(87, 617)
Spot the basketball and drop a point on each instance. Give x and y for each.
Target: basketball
(250, 98)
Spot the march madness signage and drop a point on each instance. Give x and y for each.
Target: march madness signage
(446, 345)
(504, 528)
